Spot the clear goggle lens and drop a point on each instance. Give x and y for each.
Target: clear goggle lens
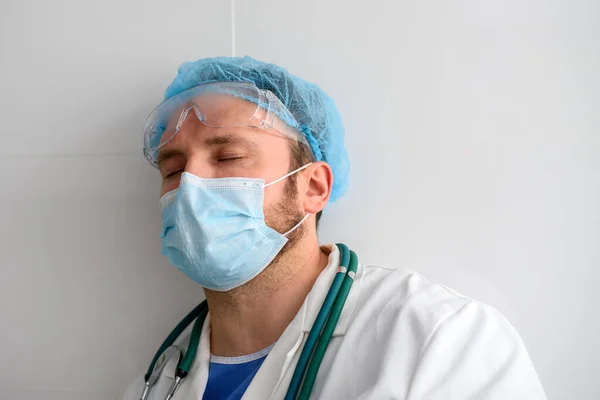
(218, 105)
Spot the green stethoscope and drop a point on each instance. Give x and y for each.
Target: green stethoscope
(311, 356)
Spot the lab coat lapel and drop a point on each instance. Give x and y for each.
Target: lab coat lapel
(273, 377)
(278, 361)
(193, 387)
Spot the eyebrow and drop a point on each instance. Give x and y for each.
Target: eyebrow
(167, 155)
(229, 139)
(210, 142)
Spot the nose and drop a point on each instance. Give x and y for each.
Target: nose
(197, 164)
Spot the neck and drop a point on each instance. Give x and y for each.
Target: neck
(252, 317)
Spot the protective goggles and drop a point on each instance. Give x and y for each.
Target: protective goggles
(213, 106)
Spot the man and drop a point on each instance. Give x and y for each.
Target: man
(250, 156)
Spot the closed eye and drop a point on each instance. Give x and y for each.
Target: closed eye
(229, 159)
(171, 174)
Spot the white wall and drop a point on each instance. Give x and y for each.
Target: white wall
(473, 133)
(85, 295)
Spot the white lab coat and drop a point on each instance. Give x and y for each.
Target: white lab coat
(400, 336)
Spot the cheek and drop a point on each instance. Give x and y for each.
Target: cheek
(273, 196)
(283, 197)
(168, 185)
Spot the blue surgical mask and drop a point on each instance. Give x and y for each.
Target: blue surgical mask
(214, 230)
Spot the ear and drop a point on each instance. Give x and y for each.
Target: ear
(317, 186)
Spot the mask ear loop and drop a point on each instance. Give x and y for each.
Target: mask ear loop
(288, 174)
(282, 178)
(297, 225)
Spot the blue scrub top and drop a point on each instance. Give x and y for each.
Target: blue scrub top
(229, 377)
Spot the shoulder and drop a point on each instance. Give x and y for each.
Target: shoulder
(400, 297)
(458, 345)
(403, 291)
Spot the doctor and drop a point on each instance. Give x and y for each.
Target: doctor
(249, 157)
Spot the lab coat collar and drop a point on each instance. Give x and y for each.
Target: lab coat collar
(317, 295)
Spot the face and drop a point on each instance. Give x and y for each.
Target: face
(234, 152)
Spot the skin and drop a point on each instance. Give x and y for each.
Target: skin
(253, 316)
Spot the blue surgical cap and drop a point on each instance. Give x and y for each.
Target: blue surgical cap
(316, 113)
